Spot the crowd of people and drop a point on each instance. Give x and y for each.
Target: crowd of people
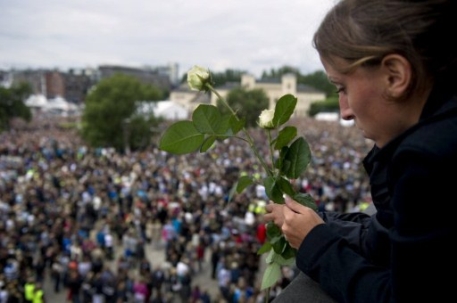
(82, 218)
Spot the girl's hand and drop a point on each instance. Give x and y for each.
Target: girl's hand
(274, 213)
(297, 221)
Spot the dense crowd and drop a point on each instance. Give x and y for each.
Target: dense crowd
(83, 217)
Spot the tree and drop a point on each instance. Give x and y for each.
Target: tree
(329, 105)
(110, 117)
(319, 81)
(248, 104)
(12, 104)
(281, 71)
(230, 75)
(219, 79)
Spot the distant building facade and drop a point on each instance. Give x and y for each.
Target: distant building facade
(144, 75)
(274, 89)
(171, 70)
(189, 99)
(78, 84)
(74, 85)
(55, 84)
(4, 78)
(35, 78)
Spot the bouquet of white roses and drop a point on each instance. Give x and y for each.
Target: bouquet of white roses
(289, 157)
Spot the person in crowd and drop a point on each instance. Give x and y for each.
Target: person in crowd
(157, 279)
(140, 290)
(121, 293)
(74, 283)
(38, 294)
(56, 274)
(394, 68)
(29, 290)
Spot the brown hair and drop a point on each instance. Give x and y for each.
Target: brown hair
(363, 32)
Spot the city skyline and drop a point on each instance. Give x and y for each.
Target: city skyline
(250, 35)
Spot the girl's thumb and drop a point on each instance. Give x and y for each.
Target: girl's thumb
(291, 203)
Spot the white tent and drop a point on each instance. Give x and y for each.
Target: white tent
(59, 103)
(36, 101)
(169, 110)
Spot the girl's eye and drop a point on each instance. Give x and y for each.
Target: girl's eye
(339, 90)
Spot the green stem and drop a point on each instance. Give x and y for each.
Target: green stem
(271, 148)
(241, 138)
(248, 137)
(267, 295)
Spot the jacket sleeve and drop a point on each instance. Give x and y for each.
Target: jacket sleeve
(350, 226)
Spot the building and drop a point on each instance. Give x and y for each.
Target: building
(144, 75)
(78, 84)
(171, 70)
(274, 89)
(55, 84)
(72, 86)
(35, 78)
(189, 99)
(5, 79)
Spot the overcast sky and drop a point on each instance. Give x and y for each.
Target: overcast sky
(250, 35)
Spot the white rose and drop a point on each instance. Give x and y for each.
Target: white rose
(266, 118)
(197, 77)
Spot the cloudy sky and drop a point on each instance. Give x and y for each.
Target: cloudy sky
(250, 35)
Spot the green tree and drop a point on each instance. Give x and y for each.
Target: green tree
(319, 81)
(12, 104)
(230, 75)
(247, 103)
(111, 117)
(219, 79)
(280, 71)
(329, 105)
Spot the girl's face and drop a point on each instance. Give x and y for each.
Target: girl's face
(362, 99)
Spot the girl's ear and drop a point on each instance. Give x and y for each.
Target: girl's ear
(398, 73)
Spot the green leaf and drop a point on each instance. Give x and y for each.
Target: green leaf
(273, 191)
(270, 257)
(207, 119)
(236, 124)
(279, 163)
(269, 183)
(286, 165)
(224, 128)
(297, 158)
(286, 135)
(280, 244)
(284, 109)
(243, 182)
(207, 143)
(231, 194)
(264, 248)
(305, 199)
(284, 259)
(271, 275)
(273, 231)
(289, 253)
(181, 138)
(285, 187)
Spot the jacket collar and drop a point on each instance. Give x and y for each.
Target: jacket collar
(438, 105)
